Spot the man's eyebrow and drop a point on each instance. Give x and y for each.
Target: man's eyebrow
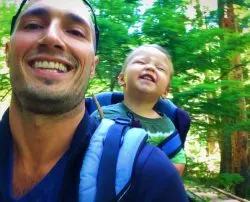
(35, 12)
(44, 12)
(76, 19)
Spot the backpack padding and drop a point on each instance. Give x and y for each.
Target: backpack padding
(107, 169)
(134, 139)
(166, 107)
(182, 123)
(163, 105)
(104, 99)
(91, 161)
(107, 98)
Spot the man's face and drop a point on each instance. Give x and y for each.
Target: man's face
(51, 56)
(147, 72)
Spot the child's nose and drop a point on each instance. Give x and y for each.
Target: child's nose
(150, 67)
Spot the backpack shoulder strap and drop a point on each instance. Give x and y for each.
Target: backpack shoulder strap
(107, 169)
(171, 145)
(179, 117)
(109, 161)
(89, 170)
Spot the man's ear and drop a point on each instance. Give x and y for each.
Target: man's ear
(121, 79)
(93, 67)
(7, 45)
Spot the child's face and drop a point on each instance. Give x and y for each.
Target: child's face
(147, 72)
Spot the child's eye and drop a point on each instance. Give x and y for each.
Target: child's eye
(76, 33)
(140, 62)
(161, 68)
(32, 26)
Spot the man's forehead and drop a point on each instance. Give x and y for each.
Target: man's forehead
(76, 7)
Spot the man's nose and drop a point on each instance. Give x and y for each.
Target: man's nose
(52, 37)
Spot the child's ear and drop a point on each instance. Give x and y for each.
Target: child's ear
(121, 79)
(165, 94)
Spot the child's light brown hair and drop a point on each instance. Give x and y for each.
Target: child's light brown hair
(161, 49)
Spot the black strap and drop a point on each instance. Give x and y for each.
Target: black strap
(107, 169)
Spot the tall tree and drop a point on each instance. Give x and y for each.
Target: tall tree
(240, 148)
(115, 19)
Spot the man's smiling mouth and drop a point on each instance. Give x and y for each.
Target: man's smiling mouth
(51, 66)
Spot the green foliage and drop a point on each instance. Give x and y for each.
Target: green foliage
(114, 20)
(6, 13)
(228, 181)
(199, 173)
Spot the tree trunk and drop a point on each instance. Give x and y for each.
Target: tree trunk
(240, 154)
(226, 152)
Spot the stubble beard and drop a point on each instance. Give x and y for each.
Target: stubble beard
(42, 102)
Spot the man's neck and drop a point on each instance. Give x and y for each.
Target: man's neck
(38, 138)
(39, 142)
(141, 105)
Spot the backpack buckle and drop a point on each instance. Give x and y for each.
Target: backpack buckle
(123, 121)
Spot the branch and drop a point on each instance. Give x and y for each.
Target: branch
(5, 95)
(233, 68)
(98, 106)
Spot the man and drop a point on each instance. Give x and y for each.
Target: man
(46, 131)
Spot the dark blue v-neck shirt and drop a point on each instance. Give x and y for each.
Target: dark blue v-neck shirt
(46, 190)
(49, 188)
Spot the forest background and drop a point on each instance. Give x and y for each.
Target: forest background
(209, 42)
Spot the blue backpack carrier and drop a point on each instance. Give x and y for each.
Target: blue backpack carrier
(114, 148)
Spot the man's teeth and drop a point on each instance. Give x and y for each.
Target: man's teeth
(51, 66)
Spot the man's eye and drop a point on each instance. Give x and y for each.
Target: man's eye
(32, 26)
(76, 33)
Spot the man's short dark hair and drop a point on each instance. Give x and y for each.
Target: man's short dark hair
(15, 17)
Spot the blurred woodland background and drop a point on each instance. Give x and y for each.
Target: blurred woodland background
(209, 41)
